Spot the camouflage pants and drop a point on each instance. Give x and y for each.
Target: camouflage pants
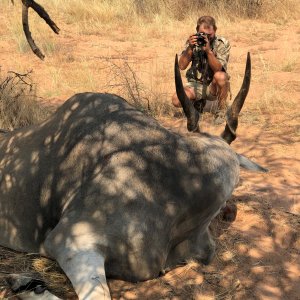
(198, 88)
(212, 103)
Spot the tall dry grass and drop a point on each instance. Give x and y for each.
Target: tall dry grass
(91, 16)
(105, 11)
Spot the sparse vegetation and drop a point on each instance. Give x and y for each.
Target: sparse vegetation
(18, 104)
(149, 81)
(94, 13)
(123, 80)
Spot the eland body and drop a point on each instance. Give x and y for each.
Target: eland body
(108, 192)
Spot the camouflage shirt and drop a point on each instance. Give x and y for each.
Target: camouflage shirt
(220, 47)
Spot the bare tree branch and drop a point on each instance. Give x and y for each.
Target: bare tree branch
(44, 15)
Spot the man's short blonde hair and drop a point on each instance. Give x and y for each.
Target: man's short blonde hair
(207, 20)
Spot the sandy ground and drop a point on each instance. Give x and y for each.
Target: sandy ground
(257, 254)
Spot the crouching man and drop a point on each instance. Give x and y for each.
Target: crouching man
(207, 77)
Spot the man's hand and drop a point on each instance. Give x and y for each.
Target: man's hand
(192, 40)
(186, 56)
(206, 48)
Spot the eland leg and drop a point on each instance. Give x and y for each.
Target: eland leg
(199, 246)
(74, 248)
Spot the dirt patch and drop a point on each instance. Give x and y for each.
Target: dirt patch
(257, 255)
(256, 259)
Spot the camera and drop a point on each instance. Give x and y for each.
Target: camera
(200, 38)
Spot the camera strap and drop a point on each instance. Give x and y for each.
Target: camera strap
(204, 76)
(199, 104)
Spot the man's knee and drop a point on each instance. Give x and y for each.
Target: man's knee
(221, 78)
(175, 101)
(188, 91)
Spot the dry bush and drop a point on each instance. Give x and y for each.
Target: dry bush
(123, 80)
(18, 104)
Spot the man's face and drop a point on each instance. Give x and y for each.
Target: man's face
(209, 30)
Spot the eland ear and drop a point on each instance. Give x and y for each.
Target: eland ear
(232, 114)
(190, 112)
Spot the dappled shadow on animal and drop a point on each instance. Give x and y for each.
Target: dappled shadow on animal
(108, 192)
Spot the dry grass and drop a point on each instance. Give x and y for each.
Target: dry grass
(161, 20)
(94, 13)
(15, 264)
(141, 88)
(18, 104)
(92, 16)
